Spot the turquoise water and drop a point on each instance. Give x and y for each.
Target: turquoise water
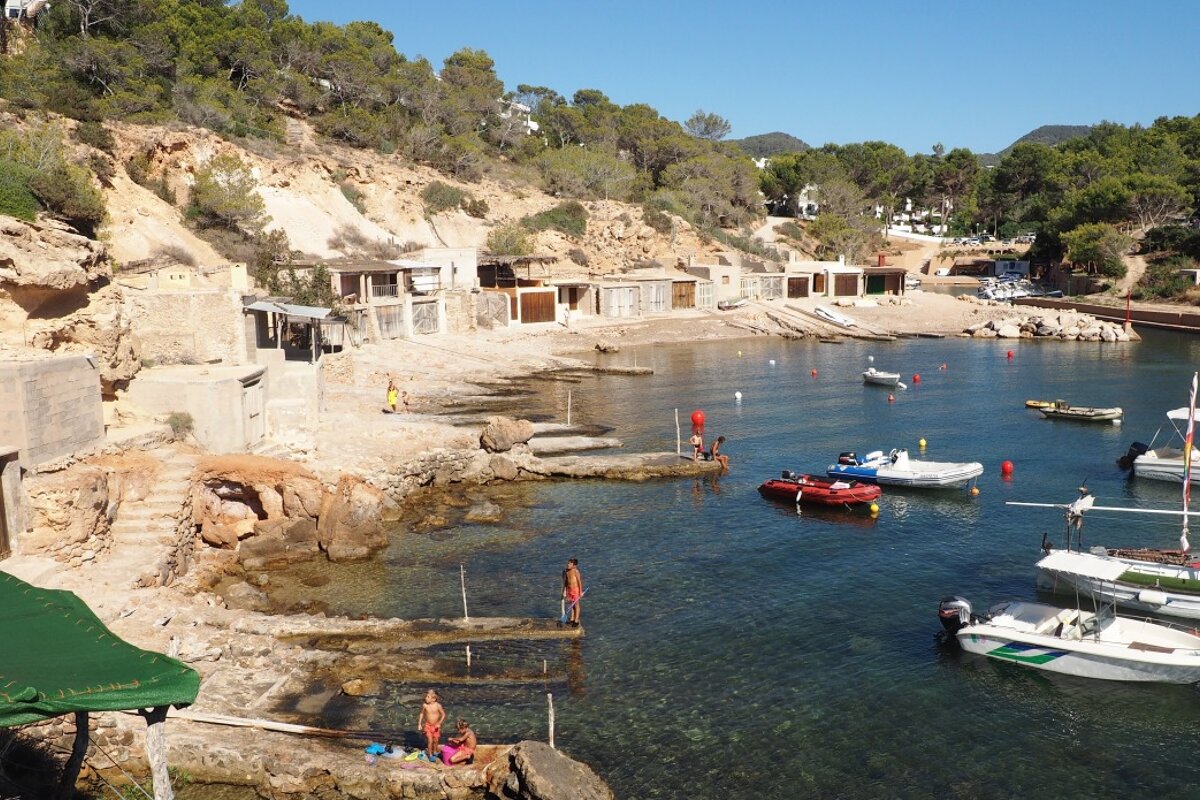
(735, 649)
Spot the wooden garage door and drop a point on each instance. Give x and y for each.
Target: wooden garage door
(845, 285)
(537, 307)
(819, 283)
(797, 287)
(683, 295)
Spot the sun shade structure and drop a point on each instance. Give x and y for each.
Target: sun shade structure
(57, 657)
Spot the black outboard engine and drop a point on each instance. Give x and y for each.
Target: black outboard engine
(954, 613)
(848, 459)
(1136, 449)
(788, 475)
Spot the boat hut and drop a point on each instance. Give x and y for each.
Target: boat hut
(620, 299)
(884, 279)
(823, 279)
(59, 659)
(301, 332)
(725, 280)
(528, 283)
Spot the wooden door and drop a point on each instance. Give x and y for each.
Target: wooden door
(425, 318)
(819, 284)
(683, 295)
(797, 287)
(845, 285)
(537, 307)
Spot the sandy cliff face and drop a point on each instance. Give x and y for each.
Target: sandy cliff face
(303, 190)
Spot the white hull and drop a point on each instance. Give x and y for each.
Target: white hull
(1083, 644)
(891, 379)
(1164, 464)
(930, 474)
(1151, 598)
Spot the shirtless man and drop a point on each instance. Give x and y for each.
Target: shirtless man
(573, 590)
(429, 722)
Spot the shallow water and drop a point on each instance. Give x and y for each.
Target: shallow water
(736, 649)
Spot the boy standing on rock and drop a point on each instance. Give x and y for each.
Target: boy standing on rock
(429, 722)
(573, 590)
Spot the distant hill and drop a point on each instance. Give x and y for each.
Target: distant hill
(771, 144)
(1047, 134)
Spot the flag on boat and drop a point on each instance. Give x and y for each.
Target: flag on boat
(1187, 445)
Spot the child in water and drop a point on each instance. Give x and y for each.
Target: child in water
(429, 722)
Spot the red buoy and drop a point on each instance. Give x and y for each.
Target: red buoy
(916, 378)
(1010, 355)
(1006, 469)
(697, 419)
(813, 373)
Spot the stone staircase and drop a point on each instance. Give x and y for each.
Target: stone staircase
(145, 534)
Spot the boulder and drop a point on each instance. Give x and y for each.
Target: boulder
(984, 333)
(485, 511)
(501, 434)
(503, 468)
(40, 255)
(351, 525)
(536, 771)
(243, 595)
(605, 346)
(261, 552)
(362, 687)
(221, 536)
(1008, 332)
(67, 508)
(1108, 334)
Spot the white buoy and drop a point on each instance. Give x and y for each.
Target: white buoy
(772, 362)
(737, 395)
(870, 359)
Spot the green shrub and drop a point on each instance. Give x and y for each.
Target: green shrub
(791, 230)
(181, 423)
(16, 199)
(66, 190)
(224, 196)
(441, 197)
(96, 135)
(578, 256)
(569, 218)
(1162, 281)
(509, 240)
(352, 194)
(477, 208)
(656, 219)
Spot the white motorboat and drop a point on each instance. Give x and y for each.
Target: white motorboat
(880, 378)
(897, 469)
(911, 281)
(1165, 463)
(829, 315)
(1088, 644)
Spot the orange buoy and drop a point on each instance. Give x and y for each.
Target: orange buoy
(916, 378)
(813, 373)
(1006, 468)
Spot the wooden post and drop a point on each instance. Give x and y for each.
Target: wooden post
(468, 656)
(568, 406)
(678, 436)
(550, 703)
(156, 751)
(66, 784)
(462, 577)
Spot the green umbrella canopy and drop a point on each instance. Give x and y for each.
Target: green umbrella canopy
(57, 657)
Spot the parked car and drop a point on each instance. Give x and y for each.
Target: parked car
(943, 272)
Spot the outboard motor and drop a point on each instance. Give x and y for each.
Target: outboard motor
(1136, 449)
(954, 613)
(788, 475)
(847, 458)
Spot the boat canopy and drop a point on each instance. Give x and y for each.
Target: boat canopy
(58, 657)
(1082, 564)
(1182, 413)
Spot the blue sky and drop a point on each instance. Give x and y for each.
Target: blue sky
(966, 73)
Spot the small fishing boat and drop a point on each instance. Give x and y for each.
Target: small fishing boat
(1073, 641)
(897, 469)
(890, 379)
(829, 315)
(819, 491)
(1060, 409)
(730, 305)
(1167, 462)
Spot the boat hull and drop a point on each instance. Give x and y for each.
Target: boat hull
(1169, 589)
(818, 491)
(1109, 415)
(890, 379)
(918, 475)
(1163, 466)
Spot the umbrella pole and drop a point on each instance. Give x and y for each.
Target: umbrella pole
(66, 785)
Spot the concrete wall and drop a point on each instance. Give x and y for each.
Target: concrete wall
(223, 402)
(459, 265)
(175, 326)
(50, 407)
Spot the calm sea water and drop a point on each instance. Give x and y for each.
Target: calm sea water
(735, 649)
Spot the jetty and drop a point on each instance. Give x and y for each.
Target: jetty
(1156, 317)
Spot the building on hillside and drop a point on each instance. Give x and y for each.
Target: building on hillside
(24, 9)
(823, 279)
(529, 284)
(619, 298)
(725, 280)
(227, 403)
(884, 279)
(393, 299)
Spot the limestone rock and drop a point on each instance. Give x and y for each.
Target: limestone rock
(243, 595)
(350, 525)
(535, 771)
(362, 687)
(1009, 332)
(485, 511)
(42, 256)
(222, 536)
(261, 552)
(503, 468)
(605, 346)
(67, 508)
(501, 434)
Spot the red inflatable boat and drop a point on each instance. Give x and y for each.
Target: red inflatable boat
(819, 491)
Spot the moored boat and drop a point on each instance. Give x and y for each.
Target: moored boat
(1039, 403)
(816, 490)
(897, 469)
(1060, 409)
(1166, 462)
(1073, 641)
(879, 378)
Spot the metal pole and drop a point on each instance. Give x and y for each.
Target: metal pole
(678, 436)
(550, 704)
(462, 577)
(568, 406)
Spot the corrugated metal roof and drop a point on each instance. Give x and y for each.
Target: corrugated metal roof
(308, 312)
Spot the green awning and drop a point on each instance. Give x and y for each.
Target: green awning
(57, 657)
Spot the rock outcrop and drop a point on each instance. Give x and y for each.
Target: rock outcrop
(502, 434)
(536, 771)
(70, 514)
(350, 525)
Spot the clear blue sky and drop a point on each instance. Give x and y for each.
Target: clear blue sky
(966, 73)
